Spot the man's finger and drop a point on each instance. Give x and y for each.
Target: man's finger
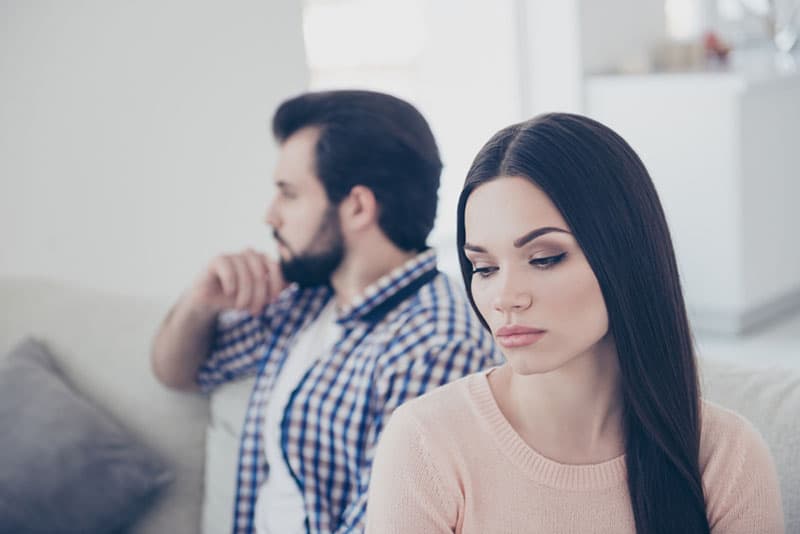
(260, 278)
(244, 282)
(222, 269)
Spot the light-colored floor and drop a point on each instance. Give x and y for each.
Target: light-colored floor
(774, 345)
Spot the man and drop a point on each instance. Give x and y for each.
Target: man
(353, 320)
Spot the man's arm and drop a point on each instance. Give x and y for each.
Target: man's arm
(247, 281)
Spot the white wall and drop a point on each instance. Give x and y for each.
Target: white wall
(551, 69)
(561, 42)
(134, 136)
(619, 31)
(771, 187)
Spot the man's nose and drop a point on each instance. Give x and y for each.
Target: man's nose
(271, 217)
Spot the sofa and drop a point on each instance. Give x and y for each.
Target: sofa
(101, 343)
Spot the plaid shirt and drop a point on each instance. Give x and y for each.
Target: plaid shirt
(410, 332)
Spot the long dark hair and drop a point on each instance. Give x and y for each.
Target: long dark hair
(607, 198)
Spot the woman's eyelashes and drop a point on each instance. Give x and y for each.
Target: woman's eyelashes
(542, 263)
(483, 272)
(548, 261)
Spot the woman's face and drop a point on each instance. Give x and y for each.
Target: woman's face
(531, 281)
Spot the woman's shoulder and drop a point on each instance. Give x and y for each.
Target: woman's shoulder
(727, 438)
(725, 431)
(442, 406)
(738, 471)
(446, 421)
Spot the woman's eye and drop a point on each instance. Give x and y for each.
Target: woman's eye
(549, 261)
(483, 272)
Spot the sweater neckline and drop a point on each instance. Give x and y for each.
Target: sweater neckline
(583, 477)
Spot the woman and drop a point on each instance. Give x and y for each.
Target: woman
(594, 423)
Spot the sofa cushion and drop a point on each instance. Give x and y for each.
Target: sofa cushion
(228, 407)
(102, 342)
(65, 465)
(770, 399)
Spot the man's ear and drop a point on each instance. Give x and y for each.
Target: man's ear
(359, 209)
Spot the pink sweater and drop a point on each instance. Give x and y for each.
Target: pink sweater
(449, 461)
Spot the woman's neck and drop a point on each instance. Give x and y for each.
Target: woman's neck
(573, 414)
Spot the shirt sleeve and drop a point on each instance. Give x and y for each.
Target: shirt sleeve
(752, 502)
(236, 350)
(404, 376)
(406, 494)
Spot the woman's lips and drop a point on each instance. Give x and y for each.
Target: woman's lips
(518, 336)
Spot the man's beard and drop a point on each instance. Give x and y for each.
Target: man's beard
(315, 265)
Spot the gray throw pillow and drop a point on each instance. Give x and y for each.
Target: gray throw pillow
(65, 465)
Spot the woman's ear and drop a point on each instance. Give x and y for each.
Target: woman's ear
(359, 209)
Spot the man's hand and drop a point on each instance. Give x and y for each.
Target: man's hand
(247, 280)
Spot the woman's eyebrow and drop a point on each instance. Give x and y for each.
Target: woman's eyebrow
(522, 241)
(530, 236)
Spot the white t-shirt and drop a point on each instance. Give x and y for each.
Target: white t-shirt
(279, 507)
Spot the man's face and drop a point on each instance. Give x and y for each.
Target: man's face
(305, 224)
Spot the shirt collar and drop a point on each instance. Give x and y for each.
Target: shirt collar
(380, 297)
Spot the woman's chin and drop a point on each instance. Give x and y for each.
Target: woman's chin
(525, 363)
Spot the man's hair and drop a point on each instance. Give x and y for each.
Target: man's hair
(377, 141)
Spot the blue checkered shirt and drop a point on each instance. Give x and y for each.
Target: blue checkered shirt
(410, 332)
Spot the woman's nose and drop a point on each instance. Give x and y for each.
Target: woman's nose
(512, 296)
